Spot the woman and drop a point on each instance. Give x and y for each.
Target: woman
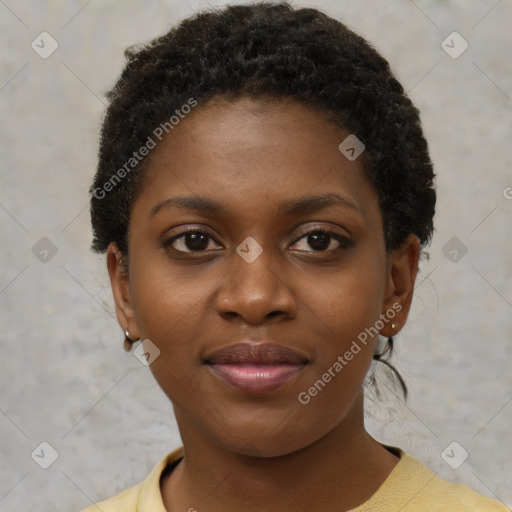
(263, 193)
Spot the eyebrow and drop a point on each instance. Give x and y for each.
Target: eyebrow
(298, 206)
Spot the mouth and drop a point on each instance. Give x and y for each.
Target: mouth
(256, 369)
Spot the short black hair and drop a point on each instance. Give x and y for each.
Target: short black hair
(266, 50)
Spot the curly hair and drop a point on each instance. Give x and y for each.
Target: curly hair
(267, 50)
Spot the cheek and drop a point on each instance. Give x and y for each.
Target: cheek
(166, 311)
(344, 352)
(343, 311)
(346, 302)
(172, 310)
(163, 293)
(167, 305)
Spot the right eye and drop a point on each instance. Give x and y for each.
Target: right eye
(190, 241)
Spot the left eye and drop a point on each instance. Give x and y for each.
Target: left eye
(320, 240)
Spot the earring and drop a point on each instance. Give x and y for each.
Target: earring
(128, 342)
(122, 264)
(390, 338)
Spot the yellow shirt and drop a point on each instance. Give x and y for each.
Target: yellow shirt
(410, 487)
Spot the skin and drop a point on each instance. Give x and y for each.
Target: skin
(247, 452)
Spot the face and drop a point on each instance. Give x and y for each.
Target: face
(259, 261)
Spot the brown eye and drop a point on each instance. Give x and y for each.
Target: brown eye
(190, 241)
(321, 240)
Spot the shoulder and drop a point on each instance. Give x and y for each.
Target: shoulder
(125, 501)
(441, 495)
(458, 497)
(413, 487)
(144, 496)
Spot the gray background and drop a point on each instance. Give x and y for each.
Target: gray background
(65, 378)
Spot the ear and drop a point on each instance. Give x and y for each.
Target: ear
(402, 271)
(120, 283)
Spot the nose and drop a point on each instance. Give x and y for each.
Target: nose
(255, 292)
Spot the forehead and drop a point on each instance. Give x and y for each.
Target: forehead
(263, 152)
(263, 128)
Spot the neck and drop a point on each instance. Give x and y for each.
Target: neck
(338, 472)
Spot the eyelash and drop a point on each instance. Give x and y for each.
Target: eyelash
(343, 241)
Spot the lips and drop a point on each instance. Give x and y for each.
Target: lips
(256, 368)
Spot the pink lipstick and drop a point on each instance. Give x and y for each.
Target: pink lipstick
(257, 368)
